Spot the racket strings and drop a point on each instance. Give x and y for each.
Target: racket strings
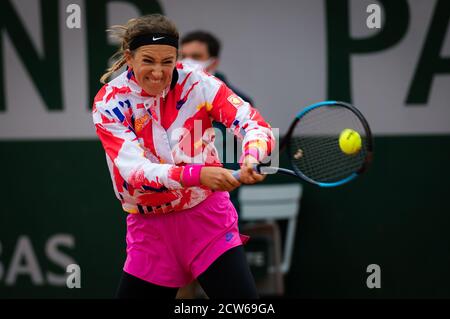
(326, 168)
(325, 120)
(314, 147)
(332, 170)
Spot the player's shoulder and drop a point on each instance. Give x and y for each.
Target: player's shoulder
(188, 75)
(121, 80)
(107, 93)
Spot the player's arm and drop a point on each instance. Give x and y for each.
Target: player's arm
(121, 145)
(248, 125)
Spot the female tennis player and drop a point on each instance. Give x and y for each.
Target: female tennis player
(154, 122)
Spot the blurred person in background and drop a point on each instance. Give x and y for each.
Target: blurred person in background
(203, 49)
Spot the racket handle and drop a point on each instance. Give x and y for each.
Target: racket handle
(237, 174)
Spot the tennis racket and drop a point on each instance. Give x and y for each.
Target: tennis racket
(316, 146)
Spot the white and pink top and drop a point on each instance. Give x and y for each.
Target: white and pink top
(149, 140)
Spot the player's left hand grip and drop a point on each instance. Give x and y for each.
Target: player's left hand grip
(237, 174)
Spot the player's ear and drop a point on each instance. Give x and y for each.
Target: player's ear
(128, 58)
(215, 64)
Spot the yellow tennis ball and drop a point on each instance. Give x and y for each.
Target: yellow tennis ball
(350, 141)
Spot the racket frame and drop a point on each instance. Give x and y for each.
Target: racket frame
(265, 168)
(369, 143)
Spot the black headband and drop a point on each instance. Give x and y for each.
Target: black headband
(153, 38)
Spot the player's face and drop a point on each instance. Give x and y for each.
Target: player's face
(153, 66)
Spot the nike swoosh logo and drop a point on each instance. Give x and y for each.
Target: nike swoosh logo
(156, 39)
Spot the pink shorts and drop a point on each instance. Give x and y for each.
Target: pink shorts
(172, 250)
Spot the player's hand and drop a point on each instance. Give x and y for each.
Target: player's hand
(218, 178)
(248, 174)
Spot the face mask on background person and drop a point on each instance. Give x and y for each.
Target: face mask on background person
(202, 65)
